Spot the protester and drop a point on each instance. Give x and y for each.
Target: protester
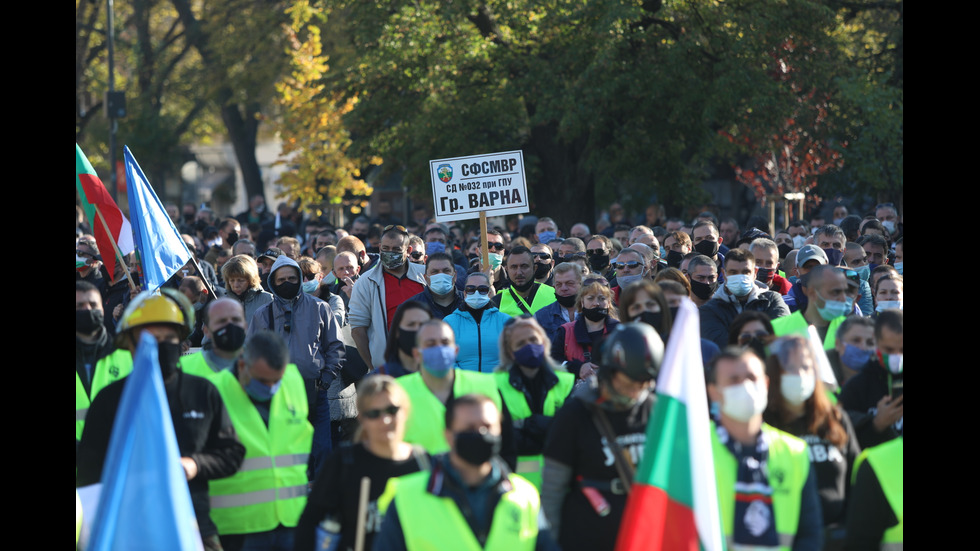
(477, 326)
(409, 317)
(576, 342)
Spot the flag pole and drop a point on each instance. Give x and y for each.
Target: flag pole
(207, 284)
(115, 247)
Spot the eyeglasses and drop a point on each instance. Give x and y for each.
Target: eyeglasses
(623, 265)
(482, 289)
(595, 252)
(377, 413)
(495, 246)
(746, 337)
(397, 227)
(542, 256)
(511, 321)
(600, 280)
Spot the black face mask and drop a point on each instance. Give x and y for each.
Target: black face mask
(406, 341)
(229, 338)
(674, 259)
(703, 290)
(523, 288)
(653, 319)
(784, 250)
(541, 270)
(168, 354)
(89, 321)
(765, 275)
(476, 448)
(232, 237)
(286, 290)
(566, 302)
(595, 314)
(707, 248)
(599, 262)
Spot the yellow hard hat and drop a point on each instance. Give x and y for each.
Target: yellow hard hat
(167, 306)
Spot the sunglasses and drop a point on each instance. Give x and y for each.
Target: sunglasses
(600, 280)
(542, 256)
(746, 337)
(416, 254)
(595, 252)
(377, 413)
(623, 265)
(496, 246)
(482, 289)
(397, 227)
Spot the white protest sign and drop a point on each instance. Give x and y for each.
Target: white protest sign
(463, 187)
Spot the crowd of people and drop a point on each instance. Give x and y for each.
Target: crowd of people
(381, 386)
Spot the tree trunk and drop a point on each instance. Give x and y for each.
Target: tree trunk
(565, 189)
(242, 131)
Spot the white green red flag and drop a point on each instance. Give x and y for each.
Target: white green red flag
(112, 227)
(673, 504)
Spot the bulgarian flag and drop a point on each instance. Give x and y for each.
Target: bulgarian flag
(673, 504)
(110, 227)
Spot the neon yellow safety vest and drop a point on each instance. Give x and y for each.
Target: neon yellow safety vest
(430, 522)
(543, 296)
(427, 423)
(530, 466)
(270, 487)
(108, 370)
(796, 324)
(788, 466)
(888, 463)
(196, 364)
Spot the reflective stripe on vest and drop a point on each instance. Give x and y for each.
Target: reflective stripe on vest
(788, 466)
(888, 463)
(108, 370)
(426, 425)
(270, 487)
(429, 521)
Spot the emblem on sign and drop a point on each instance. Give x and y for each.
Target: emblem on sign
(445, 172)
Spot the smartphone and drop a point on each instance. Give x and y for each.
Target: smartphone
(897, 387)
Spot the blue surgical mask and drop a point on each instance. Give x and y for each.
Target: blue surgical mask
(441, 284)
(434, 247)
(496, 259)
(311, 286)
(438, 360)
(833, 308)
(864, 272)
(260, 391)
(739, 285)
(888, 305)
(889, 226)
(546, 236)
(898, 266)
(854, 357)
(477, 301)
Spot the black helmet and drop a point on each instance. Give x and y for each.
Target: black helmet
(635, 349)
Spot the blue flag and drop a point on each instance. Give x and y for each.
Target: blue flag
(161, 250)
(145, 502)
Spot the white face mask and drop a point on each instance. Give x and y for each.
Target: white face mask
(799, 241)
(797, 389)
(889, 226)
(744, 401)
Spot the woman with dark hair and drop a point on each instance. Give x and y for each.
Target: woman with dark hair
(645, 301)
(379, 452)
(798, 404)
(753, 329)
(576, 340)
(401, 338)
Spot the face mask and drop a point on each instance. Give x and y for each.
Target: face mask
(739, 285)
(744, 401)
(229, 338)
(523, 288)
(864, 272)
(595, 314)
(898, 266)
(546, 236)
(286, 290)
(89, 321)
(566, 302)
(765, 275)
(541, 270)
(674, 259)
(329, 279)
(496, 259)
(837, 221)
(673, 311)
(530, 355)
(797, 389)
(813, 231)
(476, 301)
(261, 392)
(653, 319)
(434, 247)
(392, 261)
(310, 287)
(784, 250)
(215, 242)
(599, 262)
(889, 226)
(871, 267)
(703, 290)
(663, 252)
(833, 308)
(888, 305)
(799, 241)
(438, 360)
(441, 284)
(232, 237)
(626, 280)
(891, 361)
(834, 256)
(854, 357)
(406, 340)
(707, 248)
(476, 448)
(168, 354)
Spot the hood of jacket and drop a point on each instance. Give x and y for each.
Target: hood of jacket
(283, 260)
(722, 292)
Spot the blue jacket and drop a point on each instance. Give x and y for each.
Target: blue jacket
(550, 318)
(478, 342)
(426, 298)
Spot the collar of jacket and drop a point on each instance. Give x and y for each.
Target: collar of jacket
(516, 380)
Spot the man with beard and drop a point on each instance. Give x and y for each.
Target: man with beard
(524, 296)
(224, 325)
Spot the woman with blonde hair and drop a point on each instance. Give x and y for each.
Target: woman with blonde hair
(241, 276)
(576, 340)
(379, 452)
